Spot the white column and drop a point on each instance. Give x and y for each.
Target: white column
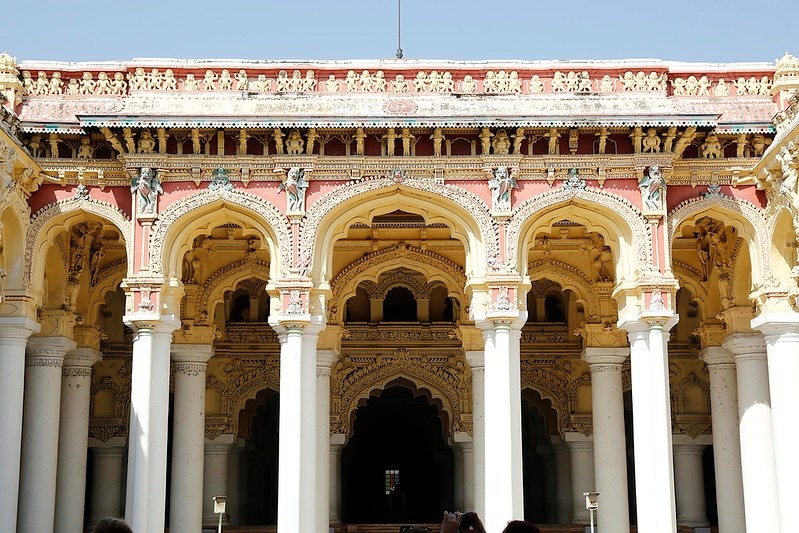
(13, 339)
(214, 482)
(757, 448)
(689, 480)
(607, 403)
(106, 494)
(465, 445)
(296, 506)
(654, 474)
(726, 441)
(504, 498)
(145, 497)
(337, 443)
(563, 475)
(38, 468)
(476, 362)
(782, 342)
(188, 435)
(324, 361)
(233, 506)
(73, 438)
(581, 452)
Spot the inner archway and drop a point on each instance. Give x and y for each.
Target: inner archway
(397, 467)
(259, 466)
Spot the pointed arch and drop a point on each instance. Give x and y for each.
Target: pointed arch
(613, 216)
(745, 217)
(474, 226)
(170, 238)
(61, 213)
(570, 278)
(211, 291)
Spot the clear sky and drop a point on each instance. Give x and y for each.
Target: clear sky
(676, 30)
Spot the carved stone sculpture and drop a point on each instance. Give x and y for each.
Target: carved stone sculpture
(501, 186)
(147, 187)
(652, 188)
(295, 186)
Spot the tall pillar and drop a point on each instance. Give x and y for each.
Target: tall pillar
(106, 493)
(464, 444)
(689, 481)
(654, 474)
(504, 498)
(757, 448)
(337, 443)
(73, 438)
(39, 458)
(476, 361)
(726, 441)
(581, 452)
(324, 361)
(145, 496)
(298, 423)
(610, 472)
(563, 476)
(13, 339)
(188, 434)
(781, 331)
(215, 461)
(234, 496)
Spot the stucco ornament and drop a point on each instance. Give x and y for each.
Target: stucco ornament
(146, 186)
(295, 186)
(220, 181)
(653, 188)
(573, 181)
(501, 186)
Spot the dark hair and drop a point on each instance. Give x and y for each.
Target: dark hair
(520, 526)
(112, 525)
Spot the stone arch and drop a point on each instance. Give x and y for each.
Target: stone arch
(418, 288)
(59, 214)
(613, 216)
(474, 226)
(245, 385)
(745, 217)
(569, 277)
(169, 241)
(12, 254)
(107, 281)
(210, 292)
(442, 385)
(368, 268)
(551, 386)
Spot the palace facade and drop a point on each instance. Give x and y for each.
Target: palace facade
(351, 293)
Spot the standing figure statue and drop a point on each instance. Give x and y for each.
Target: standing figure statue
(501, 184)
(652, 188)
(295, 186)
(146, 186)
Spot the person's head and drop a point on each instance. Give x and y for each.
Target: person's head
(112, 525)
(520, 526)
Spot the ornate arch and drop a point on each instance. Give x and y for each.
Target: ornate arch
(602, 200)
(228, 275)
(344, 284)
(471, 203)
(450, 386)
(245, 383)
(689, 209)
(253, 205)
(572, 276)
(418, 288)
(551, 385)
(49, 216)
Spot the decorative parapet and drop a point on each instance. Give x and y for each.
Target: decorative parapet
(786, 75)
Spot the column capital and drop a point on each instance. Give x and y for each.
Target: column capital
(749, 345)
(777, 324)
(220, 445)
(153, 323)
(649, 321)
(48, 351)
(596, 357)
(716, 356)
(191, 359)
(79, 362)
(17, 329)
(476, 359)
(325, 359)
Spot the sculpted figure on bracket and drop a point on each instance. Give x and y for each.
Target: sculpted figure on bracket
(295, 186)
(653, 188)
(501, 185)
(146, 186)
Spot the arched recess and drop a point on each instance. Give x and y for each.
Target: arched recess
(442, 386)
(12, 256)
(616, 219)
(749, 222)
(464, 212)
(783, 247)
(244, 385)
(550, 385)
(60, 216)
(569, 278)
(107, 281)
(177, 227)
(369, 268)
(212, 291)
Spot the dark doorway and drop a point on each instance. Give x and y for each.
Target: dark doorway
(398, 439)
(259, 460)
(539, 420)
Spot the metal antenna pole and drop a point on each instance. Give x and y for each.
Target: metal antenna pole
(399, 30)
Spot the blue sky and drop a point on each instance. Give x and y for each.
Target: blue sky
(677, 30)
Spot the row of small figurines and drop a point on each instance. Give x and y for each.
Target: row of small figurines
(500, 82)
